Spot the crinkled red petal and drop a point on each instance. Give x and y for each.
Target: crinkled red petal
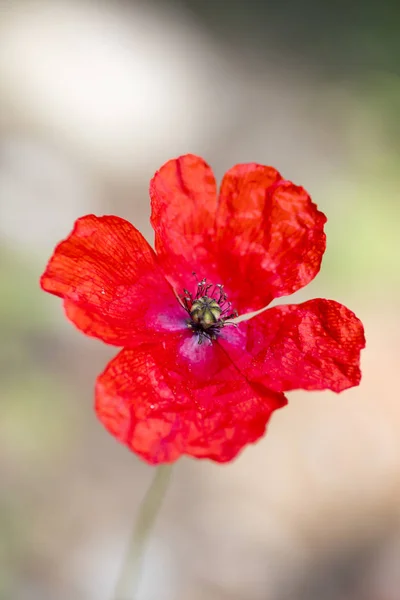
(269, 236)
(107, 274)
(313, 346)
(163, 401)
(184, 202)
(262, 239)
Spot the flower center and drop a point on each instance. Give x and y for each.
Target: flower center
(209, 310)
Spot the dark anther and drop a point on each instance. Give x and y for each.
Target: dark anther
(208, 309)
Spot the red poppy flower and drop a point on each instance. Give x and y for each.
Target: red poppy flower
(188, 380)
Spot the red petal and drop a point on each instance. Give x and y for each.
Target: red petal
(270, 236)
(108, 276)
(312, 346)
(184, 201)
(161, 410)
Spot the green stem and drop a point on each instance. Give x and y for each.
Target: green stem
(127, 585)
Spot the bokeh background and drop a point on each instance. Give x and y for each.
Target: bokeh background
(94, 97)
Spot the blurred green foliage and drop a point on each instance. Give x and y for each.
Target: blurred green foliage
(333, 37)
(34, 404)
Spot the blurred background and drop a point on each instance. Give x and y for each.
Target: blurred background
(94, 97)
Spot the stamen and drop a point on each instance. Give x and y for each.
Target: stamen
(208, 308)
